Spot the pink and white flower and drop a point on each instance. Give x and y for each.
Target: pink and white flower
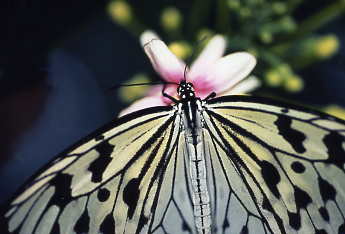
(209, 73)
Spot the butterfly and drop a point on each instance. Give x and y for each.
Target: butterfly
(230, 164)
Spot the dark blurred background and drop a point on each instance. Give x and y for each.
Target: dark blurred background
(58, 61)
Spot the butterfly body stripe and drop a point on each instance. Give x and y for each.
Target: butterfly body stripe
(192, 124)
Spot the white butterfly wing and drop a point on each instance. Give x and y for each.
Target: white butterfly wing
(271, 169)
(111, 182)
(287, 162)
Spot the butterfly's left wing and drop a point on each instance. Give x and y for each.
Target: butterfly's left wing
(121, 179)
(278, 168)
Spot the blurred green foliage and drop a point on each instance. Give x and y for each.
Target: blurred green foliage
(269, 29)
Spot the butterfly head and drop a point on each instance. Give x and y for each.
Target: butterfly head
(186, 90)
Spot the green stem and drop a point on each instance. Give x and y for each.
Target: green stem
(311, 24)
(270, 58)
(321, 18)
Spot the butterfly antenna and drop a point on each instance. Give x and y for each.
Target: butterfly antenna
(140, 84)
(189, 60)
(185, 73)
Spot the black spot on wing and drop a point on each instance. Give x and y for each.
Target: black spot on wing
(226, 224)
(267, 205)
(320, 231)
(294, 220)
(334, 143)
(244, 230)
(271, 176)
(62, 196)
(98, 166)
(108, 224)
(324, 213)
(55, 228)
(103, 194)
(302, 198)
(83, 223)
(292, 136)
(327, 190)
(285, 110)
(104, 148)
(341, 229)
(131, 195)
(297, 167)
(185, 227)
(99, 137)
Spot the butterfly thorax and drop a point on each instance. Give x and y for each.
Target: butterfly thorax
(189, 104)
(186, 91)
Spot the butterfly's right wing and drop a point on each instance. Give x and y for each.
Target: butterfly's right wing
(278, 168)
(121, 179)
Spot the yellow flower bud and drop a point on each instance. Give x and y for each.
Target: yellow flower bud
(120, 11)
(181, 49)
(130, 93)
(294, 84)
(171, 19)
(273, 78)
(335, 110)
(284, 69)
(326, 46)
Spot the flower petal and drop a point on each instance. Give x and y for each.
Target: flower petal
(148, 36)
(227, 72)
(143, 103)
(214, 50)
(246, 86)
(163, 60)
(170, 89)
